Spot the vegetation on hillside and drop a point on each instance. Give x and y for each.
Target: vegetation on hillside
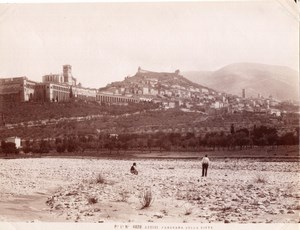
(142, 126)
(32, 111)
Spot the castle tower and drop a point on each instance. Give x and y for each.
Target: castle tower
(244, 93)
(67, 73)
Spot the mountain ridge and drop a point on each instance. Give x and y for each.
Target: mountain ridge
(282, 81)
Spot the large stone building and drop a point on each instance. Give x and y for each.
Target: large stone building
(59, 87)
(16, 89)
(116, 99)
(65, 78)
(54, 88)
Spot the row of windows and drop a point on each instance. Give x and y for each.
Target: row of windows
(60, 88)
(40, 86)
(60, 95)
(115, 99)
(53, 78)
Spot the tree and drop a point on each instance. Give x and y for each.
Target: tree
(175, 139)
(35, 146)
(27, 147)
(232, 129)
(241, 139)
(141, 144)
(190, 135)
(110, 143)
(288, 139)
(245, 130)
(149, 143)
(272, 138)
(60, 145)
(264, 136)
(71, 92)
(44, 147)
(192, 142)
(223, 140)
(58, 140)
(166, 145)
(123, 141)
(8, 147)
(72, 145)
(60, 148)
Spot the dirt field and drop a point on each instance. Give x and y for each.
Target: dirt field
(70, 190)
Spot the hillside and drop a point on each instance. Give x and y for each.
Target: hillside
(280, 82)
(155, 84)
(169, 79)
(33, 112)
(144, 118)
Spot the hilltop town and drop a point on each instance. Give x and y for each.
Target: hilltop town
(170, 90)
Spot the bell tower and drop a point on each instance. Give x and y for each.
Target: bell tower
(67, 73)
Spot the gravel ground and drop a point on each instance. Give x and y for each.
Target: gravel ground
(236, 191)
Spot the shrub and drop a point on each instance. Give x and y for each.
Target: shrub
(146, 198)
(100, 179)
(226, 208)
(27, 150)
(260, 178)
(188, 210)
(92, 200)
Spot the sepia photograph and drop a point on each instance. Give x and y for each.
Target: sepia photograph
(149, 115)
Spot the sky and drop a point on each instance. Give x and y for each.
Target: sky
(105, 42)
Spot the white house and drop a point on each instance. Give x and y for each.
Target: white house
(218, 105)
(16, 140)
(275, 112)
(204, 90)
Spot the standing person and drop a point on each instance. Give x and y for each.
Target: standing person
(133, 169)
(205, 163)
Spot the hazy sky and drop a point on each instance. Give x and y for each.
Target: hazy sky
(105, 42)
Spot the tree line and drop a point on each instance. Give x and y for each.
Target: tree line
(236, 139)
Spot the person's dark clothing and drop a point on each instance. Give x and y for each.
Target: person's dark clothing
(204, 169)
(133, 170)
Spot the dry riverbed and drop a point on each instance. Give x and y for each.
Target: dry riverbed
(102, 190)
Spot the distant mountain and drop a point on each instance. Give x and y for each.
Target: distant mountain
(279, 81)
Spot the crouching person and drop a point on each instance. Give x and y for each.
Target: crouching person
(133, 169)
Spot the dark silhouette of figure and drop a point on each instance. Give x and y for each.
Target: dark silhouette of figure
(133, 169)
(205, 163)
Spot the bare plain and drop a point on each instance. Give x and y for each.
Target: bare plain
(103, 190)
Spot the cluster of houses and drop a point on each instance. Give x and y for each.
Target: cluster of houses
(173, 90)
